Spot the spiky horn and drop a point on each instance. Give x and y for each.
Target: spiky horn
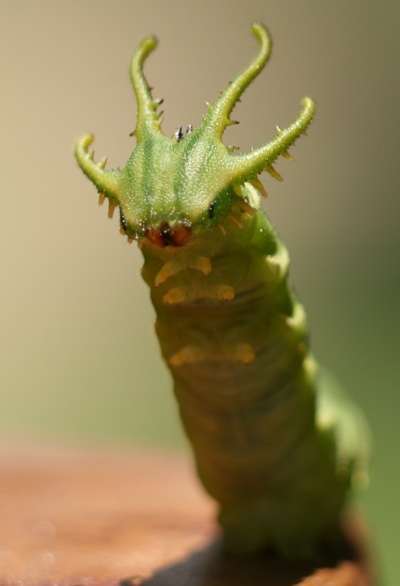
(246, 165)
(148, 119)
(105, 181)
(218, 116)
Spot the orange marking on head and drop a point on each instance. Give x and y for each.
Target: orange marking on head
(166, 235)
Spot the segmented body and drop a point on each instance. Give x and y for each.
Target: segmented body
(278, 452)
(235, 340)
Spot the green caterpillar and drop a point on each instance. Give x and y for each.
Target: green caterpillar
(272, 445)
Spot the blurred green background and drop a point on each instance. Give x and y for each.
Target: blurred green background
(78, 358)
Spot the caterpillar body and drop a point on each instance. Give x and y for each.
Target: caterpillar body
(275, 448)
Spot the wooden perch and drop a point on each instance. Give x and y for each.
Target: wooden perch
(79, 518)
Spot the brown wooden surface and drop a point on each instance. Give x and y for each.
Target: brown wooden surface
(79, 518)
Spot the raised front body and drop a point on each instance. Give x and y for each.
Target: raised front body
(276, 450)
(235, 339)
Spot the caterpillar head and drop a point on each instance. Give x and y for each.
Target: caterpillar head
(172, 186)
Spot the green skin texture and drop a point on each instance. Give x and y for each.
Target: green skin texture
(273, 445)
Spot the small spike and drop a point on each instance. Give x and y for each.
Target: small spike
(179, 134)
(287, 156)
(274, 173)
(189, 129)
(130, 240)
(102, 197)
(91, 155)
(234, 219)
(279, 131)
(122, 230)
(247, 208)
(220, 226)
(111, 208)
(230, 122)
(158, 101)
(102, 164)
(255, 182)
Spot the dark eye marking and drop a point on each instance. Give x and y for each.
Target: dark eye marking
(211, 210)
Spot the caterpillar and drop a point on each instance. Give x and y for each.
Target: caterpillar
(276, 447)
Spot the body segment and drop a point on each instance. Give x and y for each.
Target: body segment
(271, 445)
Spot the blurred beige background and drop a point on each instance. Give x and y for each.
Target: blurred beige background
(78, 356)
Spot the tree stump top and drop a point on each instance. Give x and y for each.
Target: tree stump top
(108, 518)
